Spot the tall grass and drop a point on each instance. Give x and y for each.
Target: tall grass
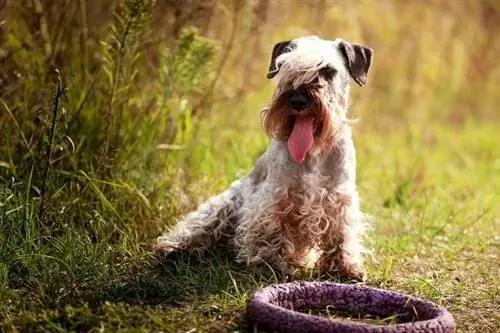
(90, 142)
(108, 118)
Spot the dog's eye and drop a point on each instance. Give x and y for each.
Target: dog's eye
(328, 73)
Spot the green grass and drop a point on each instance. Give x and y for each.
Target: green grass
(152, 118)
(433, 191)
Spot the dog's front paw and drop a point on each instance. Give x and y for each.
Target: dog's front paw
(342, 268)
(354, 273)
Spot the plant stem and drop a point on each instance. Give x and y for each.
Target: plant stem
(46, 172)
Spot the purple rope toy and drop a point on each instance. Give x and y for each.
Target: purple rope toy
(274, 309)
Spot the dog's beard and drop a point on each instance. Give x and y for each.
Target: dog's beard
(306, 131)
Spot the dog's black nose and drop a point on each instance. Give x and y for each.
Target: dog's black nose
(298, 101)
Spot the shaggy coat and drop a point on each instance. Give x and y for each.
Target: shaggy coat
(294, 211)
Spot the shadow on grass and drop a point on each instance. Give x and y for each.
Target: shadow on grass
(177, 278)
(148, 292)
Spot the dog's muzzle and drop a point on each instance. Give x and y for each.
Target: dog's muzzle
(298, 100)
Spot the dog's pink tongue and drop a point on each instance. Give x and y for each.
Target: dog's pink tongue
(301, 139)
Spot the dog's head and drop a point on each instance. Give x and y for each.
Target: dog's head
(309, 105)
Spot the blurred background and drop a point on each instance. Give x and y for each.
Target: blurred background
(168, 89)
(116, 116)
(108, 105)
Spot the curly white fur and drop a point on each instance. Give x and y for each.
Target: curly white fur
(283, 213)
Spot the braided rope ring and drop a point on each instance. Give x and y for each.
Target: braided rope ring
(272, 309)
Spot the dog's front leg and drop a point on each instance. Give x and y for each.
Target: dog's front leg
(342, 249)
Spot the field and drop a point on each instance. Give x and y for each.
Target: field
(146, 117)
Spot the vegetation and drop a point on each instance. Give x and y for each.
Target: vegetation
(118, 116)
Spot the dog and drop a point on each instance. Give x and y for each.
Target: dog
(299, 205)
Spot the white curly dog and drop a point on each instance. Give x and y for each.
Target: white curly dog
(299, 205)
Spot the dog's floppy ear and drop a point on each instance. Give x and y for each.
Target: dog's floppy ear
(278, 49)
(358, 60)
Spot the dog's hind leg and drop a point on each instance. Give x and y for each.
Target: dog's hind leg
(212, 223)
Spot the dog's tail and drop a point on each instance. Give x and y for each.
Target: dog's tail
(213, 222)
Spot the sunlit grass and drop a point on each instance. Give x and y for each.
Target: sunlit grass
(427, 148)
